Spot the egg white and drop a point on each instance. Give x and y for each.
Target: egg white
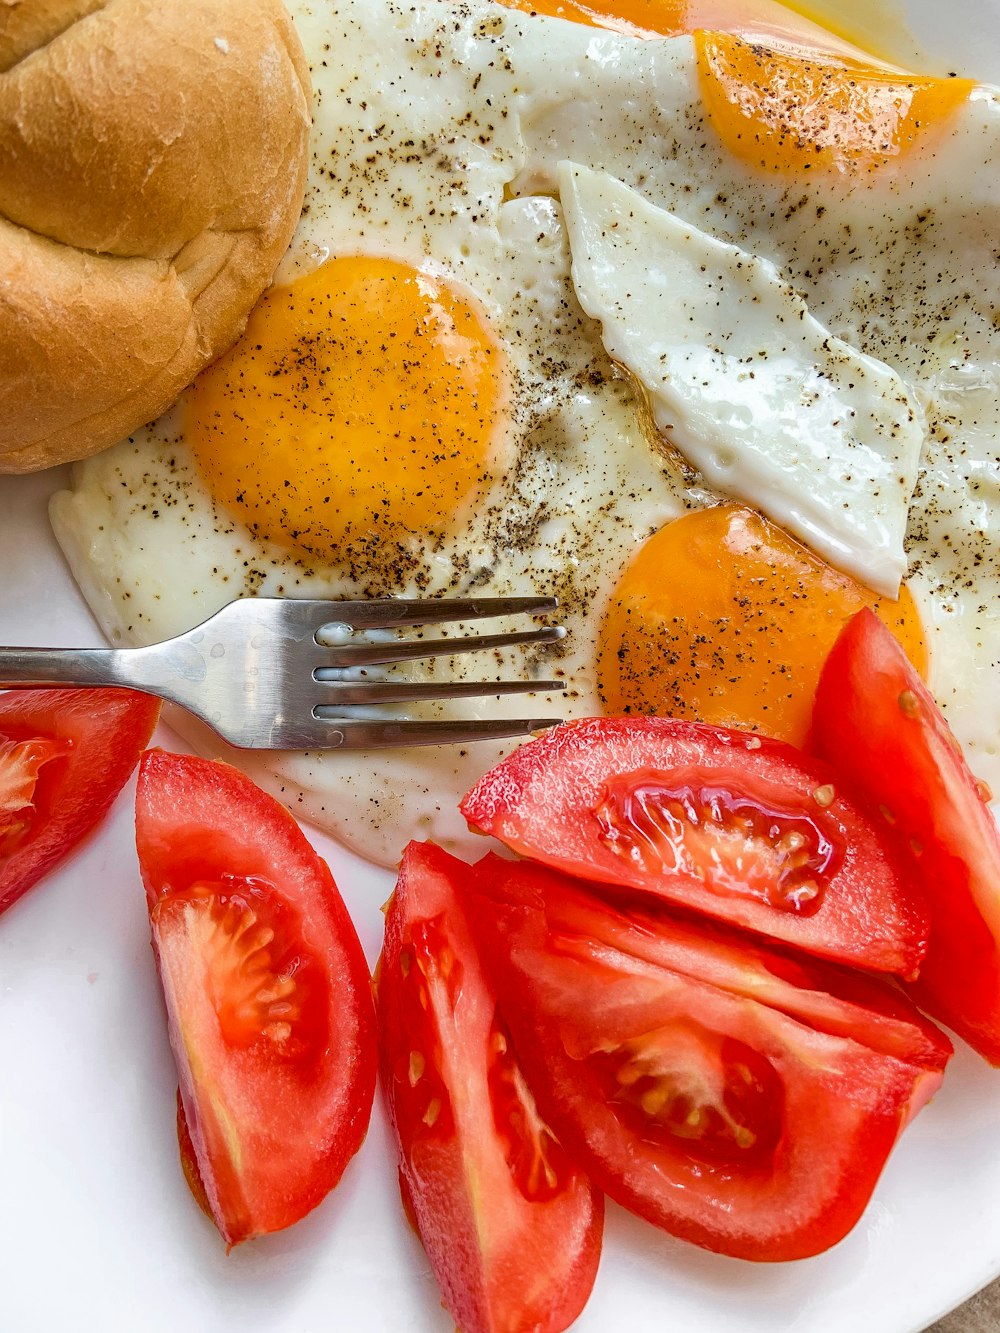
(438, 133)
(755, 391)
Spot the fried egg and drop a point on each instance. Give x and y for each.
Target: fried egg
(448, 389)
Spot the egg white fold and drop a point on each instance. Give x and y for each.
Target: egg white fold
(754, 391)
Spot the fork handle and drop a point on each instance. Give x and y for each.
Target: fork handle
(43, 668)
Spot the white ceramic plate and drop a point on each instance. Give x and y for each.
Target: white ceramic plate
(97, 1228)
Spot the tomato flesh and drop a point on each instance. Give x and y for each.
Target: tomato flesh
(267, 994)
(745, 829)
(64, 757)
(512, 1229)
(21, 763)
(738, 1097)
(877, 721)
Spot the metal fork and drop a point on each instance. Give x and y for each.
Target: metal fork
(274, 673)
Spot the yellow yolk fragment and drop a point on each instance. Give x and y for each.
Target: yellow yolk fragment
(362, 403)
(781, 91)
(786, 112)
(763, 20)
(723, 618)
(645, 18)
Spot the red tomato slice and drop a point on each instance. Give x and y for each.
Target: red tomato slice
(267, 993)
(64, 757)
(512, 1229)
(740, 1099)
(877, 722)
(746, 829)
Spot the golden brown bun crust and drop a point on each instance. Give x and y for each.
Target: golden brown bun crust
(153, 160)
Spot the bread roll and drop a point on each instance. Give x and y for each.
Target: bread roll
(152, 166)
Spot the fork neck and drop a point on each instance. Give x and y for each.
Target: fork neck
(42, 668)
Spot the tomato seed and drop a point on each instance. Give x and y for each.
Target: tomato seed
(417, 1066)
(908, 703)
(653, 1101)
(278, 1032)
(793, 841)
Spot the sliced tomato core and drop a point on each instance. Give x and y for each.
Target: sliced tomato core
(537, 1163)
(265, 989)
(735, 844)
(431, 983)
(682, 1080)
(21, 763)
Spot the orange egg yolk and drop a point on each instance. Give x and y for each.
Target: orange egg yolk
(671, 18)
(808, 103)
(645, 18)
(784, 112)
(363, 402)
(723, 618)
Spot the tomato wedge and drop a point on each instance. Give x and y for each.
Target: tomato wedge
(740, 1098)
(876, 720)
(267, 993)
(512, 1229)
(64, 757)
(746, 829)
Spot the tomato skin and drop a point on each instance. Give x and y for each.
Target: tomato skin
(514, 1248)
(650, 803)
(97, 737)
(267, 990)
(735, 1116)
(877, 721)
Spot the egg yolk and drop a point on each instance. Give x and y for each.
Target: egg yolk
(807, 103)
(760, 19)
(642, 18)
(786, 112)
(364, 401)
(723, 618)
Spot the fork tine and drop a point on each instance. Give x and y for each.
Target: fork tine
(396, 613)
(409, 650)
(347, 692)
(349, 734)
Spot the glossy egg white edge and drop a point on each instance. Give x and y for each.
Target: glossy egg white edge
(98, 1230)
